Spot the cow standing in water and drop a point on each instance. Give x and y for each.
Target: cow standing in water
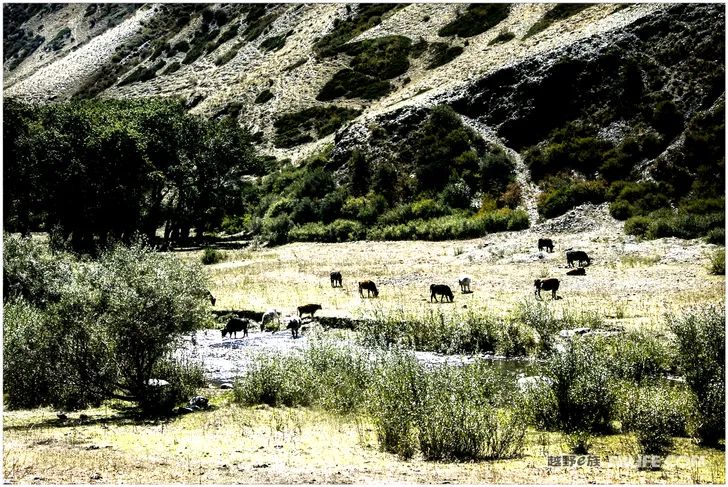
(547, 285)
(234, 326)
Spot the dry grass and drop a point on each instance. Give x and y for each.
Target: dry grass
(232, 444)
(633, 285)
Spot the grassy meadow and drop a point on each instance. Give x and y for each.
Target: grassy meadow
(328, 429)
(632, 288)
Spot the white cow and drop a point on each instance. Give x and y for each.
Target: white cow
(270, 316)
(464, 282)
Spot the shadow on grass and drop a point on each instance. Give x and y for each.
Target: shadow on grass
(125, 416)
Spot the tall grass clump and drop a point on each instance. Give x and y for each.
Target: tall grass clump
(700, 334)
(211, 256)
(461, 418)
(717, 263)
(396, 394)
(582, 385)
(275, 381)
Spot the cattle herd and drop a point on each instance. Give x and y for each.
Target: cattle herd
(272, 318)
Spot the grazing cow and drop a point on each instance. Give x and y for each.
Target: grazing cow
(442, 290)
(547, 285)
(269, 317)
(208, 295)
(464, 282)
(234, 326)
(294, 324)
(370, 288)
(545, 243)
(308, 309)
(335, 279)
(579, 271)
(577, 256)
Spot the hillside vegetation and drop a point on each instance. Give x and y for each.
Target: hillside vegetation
(381, 121)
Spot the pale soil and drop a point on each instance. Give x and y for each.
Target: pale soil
(239, 445)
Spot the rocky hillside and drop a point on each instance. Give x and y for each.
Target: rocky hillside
(244, 53)
(583, 98)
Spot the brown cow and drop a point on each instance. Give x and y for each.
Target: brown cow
(308, 309)
(370, 288)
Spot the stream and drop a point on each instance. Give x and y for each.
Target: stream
(225, 359)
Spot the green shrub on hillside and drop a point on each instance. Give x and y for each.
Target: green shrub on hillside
(558, 12)
(310, 124)
(502, 37)
(476, 19)
(366, 17)
(374, 62)
(263, 96)
(347, 83)
(441, 54)
(566, 196)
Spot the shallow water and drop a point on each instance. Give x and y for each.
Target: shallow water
(224, 359)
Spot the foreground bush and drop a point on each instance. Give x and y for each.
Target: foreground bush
(701, 350)
(582, 386)
(110, 329)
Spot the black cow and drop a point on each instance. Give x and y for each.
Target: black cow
(335, 279)
(294, 324)
(308, 309)
(442, 290)
(234, 326)
(545, 243)
(579, 271)
(370, 288)
(547, 285)
(577, 256)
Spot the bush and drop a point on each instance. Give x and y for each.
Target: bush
(263, 96)
(348, 83)
(114, 325)
(561, 200)
(458, 420)
(275, 381)
(716, 236)
(299, 127)
(582, 386)
(476, 19)
(640, 356)
(502, 37)
(717, 263)
(211, 256)
(700, 336)
(396, 393)
(560, 11)
(637, 225)
(441, 54)
(673, 405)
